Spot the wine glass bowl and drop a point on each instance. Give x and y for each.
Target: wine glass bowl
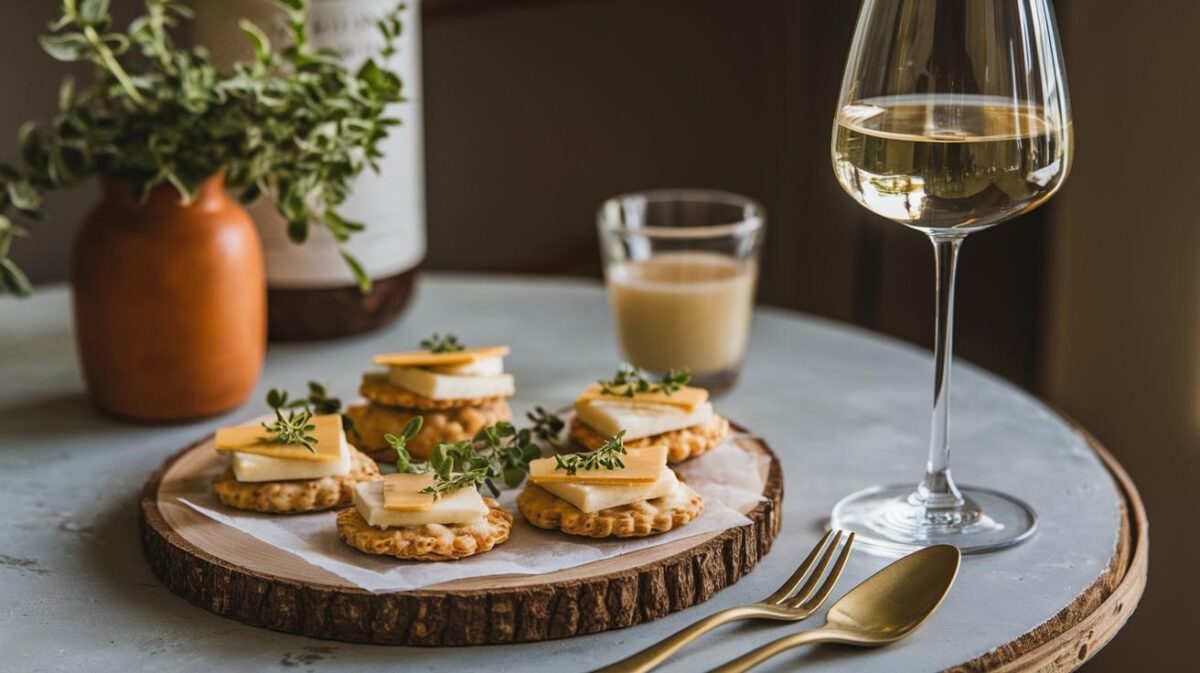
(953, 117)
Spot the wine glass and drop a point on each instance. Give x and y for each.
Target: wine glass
(953, 117)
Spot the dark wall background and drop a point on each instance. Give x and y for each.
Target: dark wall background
(536, 110)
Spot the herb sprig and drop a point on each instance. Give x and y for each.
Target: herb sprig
(607, 457)
(293, 123)
(295, 428)
(439, 344)
(629, 380)
(316, 402)
(499, 451)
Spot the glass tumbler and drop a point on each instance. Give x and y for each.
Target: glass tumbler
(681, 266)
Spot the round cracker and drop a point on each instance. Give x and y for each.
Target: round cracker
(681, 444)
(377, 388)
(297, 495)
(638, 519)
(372, 422)
(431, 542)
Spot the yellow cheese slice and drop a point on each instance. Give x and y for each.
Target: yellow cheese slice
(428, 359)
(642, 466)
(687, 397)
(401, 492)
(254, 439)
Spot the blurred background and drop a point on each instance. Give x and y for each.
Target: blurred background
(536, 110)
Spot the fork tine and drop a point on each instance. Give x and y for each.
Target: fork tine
(797, 577)
(811, 584)
(823, 593)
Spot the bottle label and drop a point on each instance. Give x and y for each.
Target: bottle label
(391, 202)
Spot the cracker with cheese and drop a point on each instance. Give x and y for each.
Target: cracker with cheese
(681, 444)
(641, 518)
(427, 542)
(611, 491)
(458, 390)
(295, 496)
(650, 413)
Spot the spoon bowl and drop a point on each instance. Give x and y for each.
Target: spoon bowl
(895, 601)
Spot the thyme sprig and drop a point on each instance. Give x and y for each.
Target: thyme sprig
(439, 344)
(607, 457)
(499, 451)
(630, 380)
(547, 426)
(295, 428)
(400, 444)
(317, 402)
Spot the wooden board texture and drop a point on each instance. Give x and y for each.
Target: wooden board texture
(237, 576)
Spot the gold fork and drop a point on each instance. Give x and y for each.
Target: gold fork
(787, 604)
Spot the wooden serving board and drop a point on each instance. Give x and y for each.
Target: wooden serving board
(236, 575)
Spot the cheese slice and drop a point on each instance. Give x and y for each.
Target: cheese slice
(463, 506)
(638, 419)
(595, 497)
(329, 444)
(402, 492)
(686, 397)
(445, 387)
(428, 359)
(483, 367)
(642, 466)
(253, 468)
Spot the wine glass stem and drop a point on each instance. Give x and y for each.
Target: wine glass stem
(937, 489)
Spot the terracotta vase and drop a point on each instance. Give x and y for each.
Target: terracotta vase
(170, 303)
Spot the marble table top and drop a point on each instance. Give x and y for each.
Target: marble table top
(842, 408)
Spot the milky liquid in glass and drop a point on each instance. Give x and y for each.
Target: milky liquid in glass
(681, 310)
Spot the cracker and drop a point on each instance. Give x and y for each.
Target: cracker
(377, 388)
(372, 422)
(638, 519)
(297, 495)
(431, 542)
(681, 444)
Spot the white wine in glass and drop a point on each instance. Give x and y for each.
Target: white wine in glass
(953, 117)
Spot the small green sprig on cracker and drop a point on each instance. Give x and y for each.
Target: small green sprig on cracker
(630, 380)
(607, 457)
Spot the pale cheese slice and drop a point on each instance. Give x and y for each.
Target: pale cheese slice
(463, 506)
(595, 497)
(329, 444)
(484, 367)
(639, 419)
(445, 387)
(642, 466)
(686, 397)
(429, 359)
(402, 492)
(252, 468)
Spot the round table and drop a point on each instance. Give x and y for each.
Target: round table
(843, 408)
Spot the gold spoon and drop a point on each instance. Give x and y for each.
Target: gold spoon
(888, 606)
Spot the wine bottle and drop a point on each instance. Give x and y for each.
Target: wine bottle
(311, 292)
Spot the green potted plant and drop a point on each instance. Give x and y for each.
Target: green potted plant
(167, 273)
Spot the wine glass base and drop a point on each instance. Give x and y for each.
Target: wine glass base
(888, 523)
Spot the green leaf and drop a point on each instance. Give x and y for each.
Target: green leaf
(413, 427)
(297, 231)
(68, 48)
(360, 274)
(13, 279)
(93, 11)
(259, 39)
(30, 140)
(23, 196)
